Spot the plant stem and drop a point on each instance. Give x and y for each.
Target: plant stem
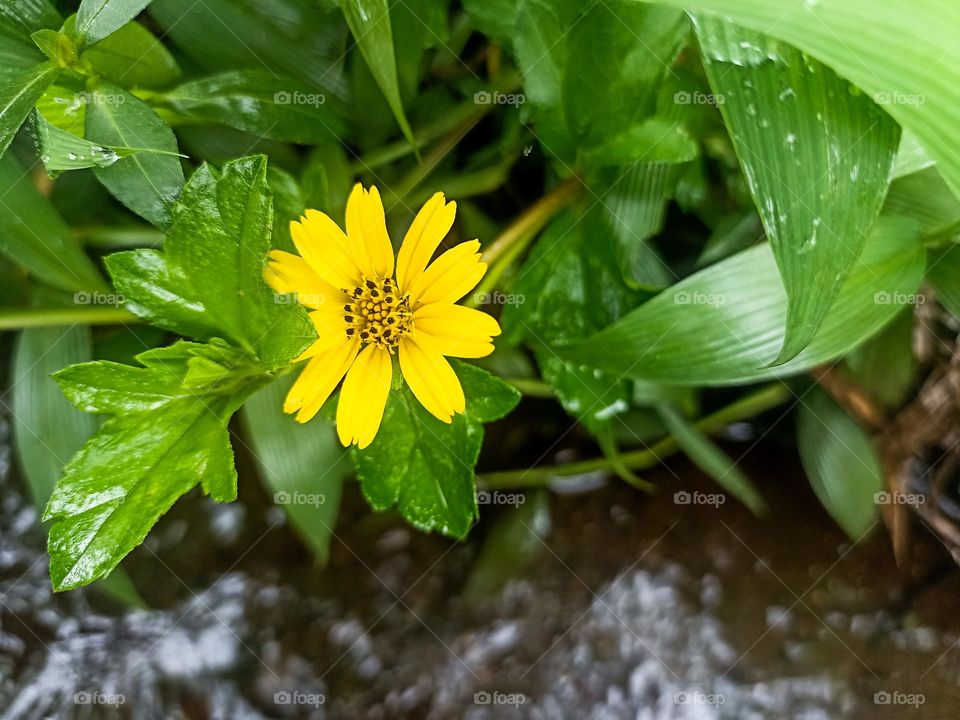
(467, 110)
(501, 253)
(768, 397)
(18, 318)
(531, 387)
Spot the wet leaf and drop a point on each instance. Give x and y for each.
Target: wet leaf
(18, 95)
(149, 183)
(817, 155)
(369, 21)
(425, 466)
(903, 53)
(96, 19)
(717, 328)
(208, 281)
(261, 103)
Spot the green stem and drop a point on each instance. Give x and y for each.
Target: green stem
(467, 110)
(768, 397)
(531, 387)
(501, 253)
(19, 318)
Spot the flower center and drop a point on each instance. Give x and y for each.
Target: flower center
(377, 313)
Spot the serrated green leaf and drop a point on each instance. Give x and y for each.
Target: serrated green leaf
(261, 103)
(724, 325)
(208, 281)
(47, 430)
(710, 458)
(164, 438)
(133, 57)
(128, 475)
(148, 184)
(369, 21)
(902, 52)
(18, 95)
(303, 465)
(425, 466)
(96, 19)
(817, 154)
(840, 461)
(35, 236)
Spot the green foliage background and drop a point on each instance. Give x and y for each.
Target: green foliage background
(672, 196)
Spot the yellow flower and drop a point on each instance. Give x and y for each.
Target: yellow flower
(364, 315)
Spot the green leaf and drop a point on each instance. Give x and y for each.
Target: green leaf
(208, 281)
(711, 459)
(911, 157)
(885, 365)
(902, 52)
(634, 209)
(569, 288)
(817, 155)
(303, 465)
(925, 197)
(61, 150)
(147, 183)
(35, 236)
(296, 38)
(591, 75)
(944, 276)
(369, 21)
(98, 18)
(425, 466)
(715, 328)
(56, 46)
(840, 462)
(16, 57)
(47, 430)
(133, 57)
(22, 18)
(157, 446)
(18, 95)
(261, 103)
(511, 547)
(653, 140)
(128, 475)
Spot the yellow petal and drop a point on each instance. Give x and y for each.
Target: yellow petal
(429, 227)
(450, 276)
(364, 396)
(324, 246)
(367, 230)
(318, 380)
(456, 330)
(287, 273)
(330, 327)
(430, 377)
